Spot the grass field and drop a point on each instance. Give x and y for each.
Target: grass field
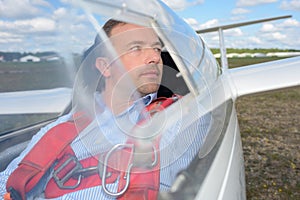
(30, 76)
(39, 75)
(270, 129)
(269, 124)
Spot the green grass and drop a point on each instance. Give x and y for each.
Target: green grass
(239, 62)
(16, 121)
(269, 125)
(40, 75)
(15, 76)
(270, 129)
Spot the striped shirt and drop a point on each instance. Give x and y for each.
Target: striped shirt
(177, 149)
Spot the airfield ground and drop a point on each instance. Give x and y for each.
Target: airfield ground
(270, 129)
(269, 123)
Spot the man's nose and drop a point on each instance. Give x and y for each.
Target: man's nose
(152, 55)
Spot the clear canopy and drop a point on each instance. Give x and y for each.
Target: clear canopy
(110, 81)
(115, 74)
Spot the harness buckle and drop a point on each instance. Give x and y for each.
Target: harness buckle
(71, 168)
(62, 174)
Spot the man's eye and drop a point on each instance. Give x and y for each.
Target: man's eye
(135, 48)
(157, 49)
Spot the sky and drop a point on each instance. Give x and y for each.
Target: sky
(282, 34)
(31, 25)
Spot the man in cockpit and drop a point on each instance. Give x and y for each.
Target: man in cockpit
(102, 159)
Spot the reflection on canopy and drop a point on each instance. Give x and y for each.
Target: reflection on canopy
(182, 128)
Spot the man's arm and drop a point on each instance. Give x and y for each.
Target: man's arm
(14, 164)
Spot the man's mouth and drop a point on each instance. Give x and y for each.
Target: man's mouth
(150, 74)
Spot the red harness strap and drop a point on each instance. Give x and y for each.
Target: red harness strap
(55, 147)
(144, 176)
(143, 181)
(76, 183)
(36, 163)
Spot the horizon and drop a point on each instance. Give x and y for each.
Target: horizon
(212, 49)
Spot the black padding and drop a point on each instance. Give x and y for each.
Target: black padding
(171, 84)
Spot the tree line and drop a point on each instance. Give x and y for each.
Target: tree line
(255, 50)
(11, 56)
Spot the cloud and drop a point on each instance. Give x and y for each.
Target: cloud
(238, 18)
(255, 40)
(192, 22)
(196, 25)
(35, 25)
(268, 27)
(15, 9)
(283, 26)
(281, 34)
(181, 4)
(7, 38)
(246, 3)
(239, 11)
(290, 5)
(278, 36)
(60, 13)
(41, 3)
(210, 23)
(235, 32)
(271, 35)
(290, 23)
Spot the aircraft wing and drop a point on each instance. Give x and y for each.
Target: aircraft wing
(35, 101)
(265, 76)
(230, 26)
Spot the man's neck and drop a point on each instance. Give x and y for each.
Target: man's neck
(120, 103)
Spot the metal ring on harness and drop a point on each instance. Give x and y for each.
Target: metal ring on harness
(147, 165)
(127, 176)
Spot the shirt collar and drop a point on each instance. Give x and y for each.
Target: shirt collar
(145, 99)
(149, 98)
(104, 129)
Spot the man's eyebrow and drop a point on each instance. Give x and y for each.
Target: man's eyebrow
(138, 42)
(135, 42)
(158, 43)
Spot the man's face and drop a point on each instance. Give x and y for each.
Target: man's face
(139, 49)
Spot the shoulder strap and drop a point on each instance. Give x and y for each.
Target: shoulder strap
(145, 181)
(36, 163)
(58, 139)
(161, 103)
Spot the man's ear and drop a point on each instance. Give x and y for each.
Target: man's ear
(103, 66)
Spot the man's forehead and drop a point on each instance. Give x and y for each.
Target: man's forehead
(125, 27)
(130, 32)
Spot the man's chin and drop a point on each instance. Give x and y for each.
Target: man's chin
(150, 88)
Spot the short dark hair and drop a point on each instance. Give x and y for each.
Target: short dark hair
(90, 55)
(107, 27)
(110, 24)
